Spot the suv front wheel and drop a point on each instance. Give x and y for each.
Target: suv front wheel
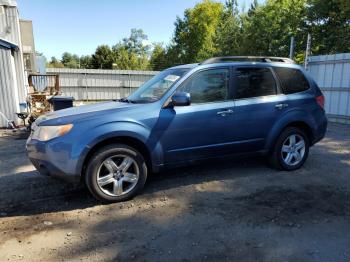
(116, 173)
(291, 149)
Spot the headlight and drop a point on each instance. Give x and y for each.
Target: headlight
(45, 133)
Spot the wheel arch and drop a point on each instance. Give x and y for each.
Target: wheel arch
(126, 140)
(303, 125)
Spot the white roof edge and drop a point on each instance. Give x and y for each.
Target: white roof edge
(8, 2)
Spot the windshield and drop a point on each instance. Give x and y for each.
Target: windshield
(156, 87)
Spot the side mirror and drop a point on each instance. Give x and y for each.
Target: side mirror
(181, 99)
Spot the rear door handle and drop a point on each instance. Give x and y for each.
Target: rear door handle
(281, 106)
(225, 112)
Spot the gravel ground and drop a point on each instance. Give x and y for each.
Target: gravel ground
(225, 210)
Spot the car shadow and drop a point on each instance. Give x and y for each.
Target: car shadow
(47, 195)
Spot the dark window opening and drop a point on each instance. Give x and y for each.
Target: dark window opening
(254, 82)
(292, 80)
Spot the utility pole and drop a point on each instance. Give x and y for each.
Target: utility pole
(291, 50)
(308, 50)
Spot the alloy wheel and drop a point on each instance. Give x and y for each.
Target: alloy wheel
(293, 150)
(118, 175)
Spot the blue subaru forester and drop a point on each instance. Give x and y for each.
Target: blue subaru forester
(225, 106)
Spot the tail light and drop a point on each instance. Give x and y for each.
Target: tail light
(320, 101)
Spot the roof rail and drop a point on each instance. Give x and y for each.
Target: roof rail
(266, 59)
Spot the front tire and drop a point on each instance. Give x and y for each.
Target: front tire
(290, 150)
(116, 173)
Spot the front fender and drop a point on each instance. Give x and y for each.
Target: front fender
(112, 130)
(296, 115)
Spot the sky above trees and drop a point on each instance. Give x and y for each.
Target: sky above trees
(212, 28)
(61, 25)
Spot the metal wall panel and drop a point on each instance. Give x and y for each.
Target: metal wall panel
(12, 76)
(332, 74)
(97, 84)
(8, 102)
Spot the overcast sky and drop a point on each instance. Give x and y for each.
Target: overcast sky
(79, 26)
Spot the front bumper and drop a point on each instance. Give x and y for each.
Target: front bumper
(53, 158)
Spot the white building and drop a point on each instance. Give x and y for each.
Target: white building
(12, 76)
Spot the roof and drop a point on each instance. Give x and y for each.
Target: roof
(8, 2)
(8, 45)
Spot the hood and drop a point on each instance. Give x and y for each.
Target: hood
(70, 115)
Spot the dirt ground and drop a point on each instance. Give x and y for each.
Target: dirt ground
(234, 211)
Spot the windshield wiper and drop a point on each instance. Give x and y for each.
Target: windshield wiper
(124, 100)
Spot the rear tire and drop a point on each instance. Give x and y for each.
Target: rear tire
(290, 150)
(116, 173)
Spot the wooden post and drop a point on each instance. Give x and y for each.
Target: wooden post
(57, 83)
(308, 50)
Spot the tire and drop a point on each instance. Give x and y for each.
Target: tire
(116, 182)
(279, 155)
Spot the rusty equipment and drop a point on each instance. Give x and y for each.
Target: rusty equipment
(41, 89)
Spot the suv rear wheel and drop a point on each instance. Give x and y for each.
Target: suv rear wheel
(291, 149)
(116, 173)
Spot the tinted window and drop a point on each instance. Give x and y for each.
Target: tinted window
(254, 82)
(208, 86)
(292, 80)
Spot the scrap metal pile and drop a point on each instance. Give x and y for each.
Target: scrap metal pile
(41, 89)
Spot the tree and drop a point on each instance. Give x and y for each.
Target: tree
(193, 39)
(267, 28)
(329, 24)
(125, 60)
(54, 63)
(135, 42)
(132, 53)
(158, 60)
(85, 62)
(69, 60)
(228, 33)
(103, 57)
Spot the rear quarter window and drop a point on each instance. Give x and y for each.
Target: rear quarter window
(292, 80)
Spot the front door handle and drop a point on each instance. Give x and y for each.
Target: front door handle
(225, 112)
(281, 106)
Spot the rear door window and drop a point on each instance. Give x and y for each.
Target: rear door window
(292, 80)
(254, 82)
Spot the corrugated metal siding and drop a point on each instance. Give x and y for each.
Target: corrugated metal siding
(11, 66)
(15, 37)
(8, 103)
(332, 74)
(97, 84)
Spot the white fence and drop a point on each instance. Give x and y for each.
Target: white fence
(332, 74)
(97, 84)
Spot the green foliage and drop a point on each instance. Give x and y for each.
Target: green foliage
(126, 60)
(103, 57)
(54, 63)
(69, 60)
(135, 42)
(132, 53)
(194, 34)
(229, 34)
(329, 23)
(267, 28)
(158, 60)
(85, 62)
